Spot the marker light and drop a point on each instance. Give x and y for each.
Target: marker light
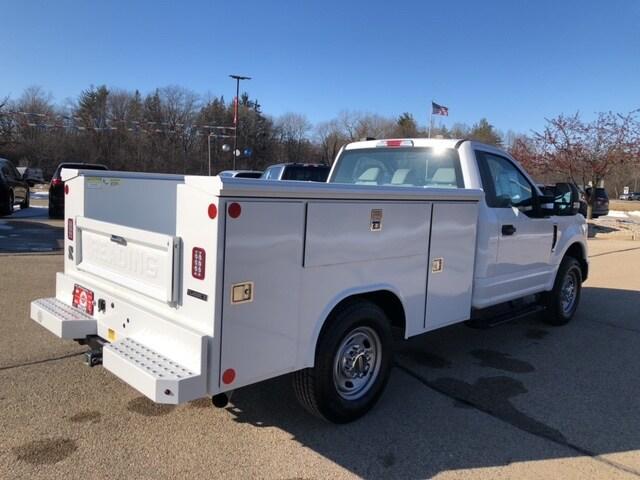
(395, 143)
(228, 376)
(212, 211)
(70, 229)
(235, 210)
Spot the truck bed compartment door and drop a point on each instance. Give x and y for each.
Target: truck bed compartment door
(262, 274)
(451, 260)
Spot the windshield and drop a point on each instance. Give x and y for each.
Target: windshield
(422, 167)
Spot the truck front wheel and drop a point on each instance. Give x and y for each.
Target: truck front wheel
(562, 301)
(352, 364)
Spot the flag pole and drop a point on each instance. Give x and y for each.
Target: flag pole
(431, 119)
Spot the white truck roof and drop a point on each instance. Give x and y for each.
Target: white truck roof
(417, 142)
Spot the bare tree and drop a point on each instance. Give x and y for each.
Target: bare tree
(292, 130)
(330, 138)
(587, 152)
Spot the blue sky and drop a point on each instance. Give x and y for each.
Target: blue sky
(510, 61)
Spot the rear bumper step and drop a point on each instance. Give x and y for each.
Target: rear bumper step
(176, 375)
(61, 319)
(153, 374)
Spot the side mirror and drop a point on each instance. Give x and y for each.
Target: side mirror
(545, 205)
(567, 199)
(503, 201)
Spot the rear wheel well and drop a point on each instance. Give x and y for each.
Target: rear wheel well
(577, 251)
(385, 299)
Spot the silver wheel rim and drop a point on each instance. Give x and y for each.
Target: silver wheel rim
(569, 292)
(357, 363)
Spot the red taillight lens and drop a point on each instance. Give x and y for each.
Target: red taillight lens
(198, 256)
(55, 182)
(66, 189)
(70, 229)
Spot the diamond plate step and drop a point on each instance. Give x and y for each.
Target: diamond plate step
(61, 319)
(153, 374)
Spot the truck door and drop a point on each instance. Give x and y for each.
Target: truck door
(524, 242)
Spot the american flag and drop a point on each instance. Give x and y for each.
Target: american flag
(439, 109)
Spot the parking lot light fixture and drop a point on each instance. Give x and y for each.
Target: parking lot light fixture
(237, 78)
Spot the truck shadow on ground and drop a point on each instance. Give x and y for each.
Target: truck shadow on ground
(461, 398)
(20, 236)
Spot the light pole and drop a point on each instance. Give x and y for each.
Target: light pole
(235, 115)
(209, 145)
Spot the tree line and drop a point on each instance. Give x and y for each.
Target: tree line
(171, 129)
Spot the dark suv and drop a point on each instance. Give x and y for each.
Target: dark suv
(305, 172)
(13, 189)
(600, 203)
(56, 188)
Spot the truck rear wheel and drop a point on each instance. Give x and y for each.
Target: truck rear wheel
(352, 364)
(562, 301)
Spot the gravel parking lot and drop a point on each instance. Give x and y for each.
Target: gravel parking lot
(522, 400)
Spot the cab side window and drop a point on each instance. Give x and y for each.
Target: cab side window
(272, 173)
(503, 184)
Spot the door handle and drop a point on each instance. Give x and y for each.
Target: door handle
(508, 229)
(121, 241)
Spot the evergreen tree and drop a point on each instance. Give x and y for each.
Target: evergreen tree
(484, 132)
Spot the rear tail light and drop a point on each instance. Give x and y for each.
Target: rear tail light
(70, 229)
(55, 182)
(395, 143)
(198, 256)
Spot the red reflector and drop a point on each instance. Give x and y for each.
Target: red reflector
(228, 376)
(55, 182)
(66, 189)
(212, 211)
(235, 210)
(198, 257)
(70, 229)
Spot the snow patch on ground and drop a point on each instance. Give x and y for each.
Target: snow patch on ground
(617, 214)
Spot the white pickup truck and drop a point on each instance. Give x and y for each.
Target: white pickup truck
(190, 286)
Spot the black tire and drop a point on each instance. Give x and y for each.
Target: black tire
(559, 309)
(316, 387)
(53, 211)
(8, 209)
(25, 203)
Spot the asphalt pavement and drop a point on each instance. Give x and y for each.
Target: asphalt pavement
(522, 400)
(31, 230)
